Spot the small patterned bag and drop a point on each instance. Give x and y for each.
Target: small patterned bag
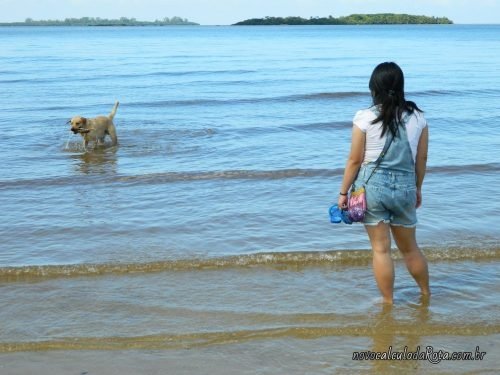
(356, 205)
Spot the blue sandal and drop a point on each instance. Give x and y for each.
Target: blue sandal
(337, 215)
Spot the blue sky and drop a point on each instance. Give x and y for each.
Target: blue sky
(224, 12)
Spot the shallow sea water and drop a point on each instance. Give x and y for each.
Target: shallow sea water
(202, 242)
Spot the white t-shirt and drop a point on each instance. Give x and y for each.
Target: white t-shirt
(374, 144)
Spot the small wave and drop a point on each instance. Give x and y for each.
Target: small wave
(471, 168)
(204, 339)
(173, 74)
(124, 76)
(169, 74)
(18, 80)
(69, 110)
(320, 125)
(459, 93)
(172, 177)
(330, 95)
(203, 72)
(314, 126)
(274, 99)
(231, 175)
(321, 96)
(278, 260)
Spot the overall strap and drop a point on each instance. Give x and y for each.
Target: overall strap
(404, 120)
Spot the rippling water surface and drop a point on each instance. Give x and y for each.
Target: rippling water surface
(208, 224)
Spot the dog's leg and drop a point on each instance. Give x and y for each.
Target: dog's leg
(112, 134)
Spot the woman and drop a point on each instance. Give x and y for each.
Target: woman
(393, 190)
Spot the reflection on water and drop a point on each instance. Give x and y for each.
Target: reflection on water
(91, 203)
(387, 338)
(101, 159)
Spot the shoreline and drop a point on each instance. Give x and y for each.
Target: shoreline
(15, 24)
(22, 24)
(352, 19)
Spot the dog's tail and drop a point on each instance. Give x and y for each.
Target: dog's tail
(113, 111)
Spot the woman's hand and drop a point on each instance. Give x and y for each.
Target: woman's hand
(342, 202)
(419, 198)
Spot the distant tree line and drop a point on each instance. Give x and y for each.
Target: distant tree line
(353, 19)
(96, 21)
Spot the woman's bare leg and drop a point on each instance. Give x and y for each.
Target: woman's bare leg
(383, 267)
(415, 261)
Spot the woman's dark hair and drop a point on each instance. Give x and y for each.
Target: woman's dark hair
(387, 87)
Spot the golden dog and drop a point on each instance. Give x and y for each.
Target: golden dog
(95, 129)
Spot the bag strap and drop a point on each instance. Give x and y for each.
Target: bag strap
(379, 160)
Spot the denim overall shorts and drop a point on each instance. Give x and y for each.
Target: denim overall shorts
(391, 192)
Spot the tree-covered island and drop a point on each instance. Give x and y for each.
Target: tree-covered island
(96, 21)
(353, 19)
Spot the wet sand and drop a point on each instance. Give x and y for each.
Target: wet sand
(328, 355)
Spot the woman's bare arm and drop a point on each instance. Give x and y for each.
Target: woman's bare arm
(353, 163)
(421, 162)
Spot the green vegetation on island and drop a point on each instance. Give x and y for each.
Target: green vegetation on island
(353, 19)
(91, 21)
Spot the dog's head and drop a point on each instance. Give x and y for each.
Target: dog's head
(78, 125)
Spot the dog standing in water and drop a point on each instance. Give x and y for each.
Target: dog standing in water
(95, 129)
